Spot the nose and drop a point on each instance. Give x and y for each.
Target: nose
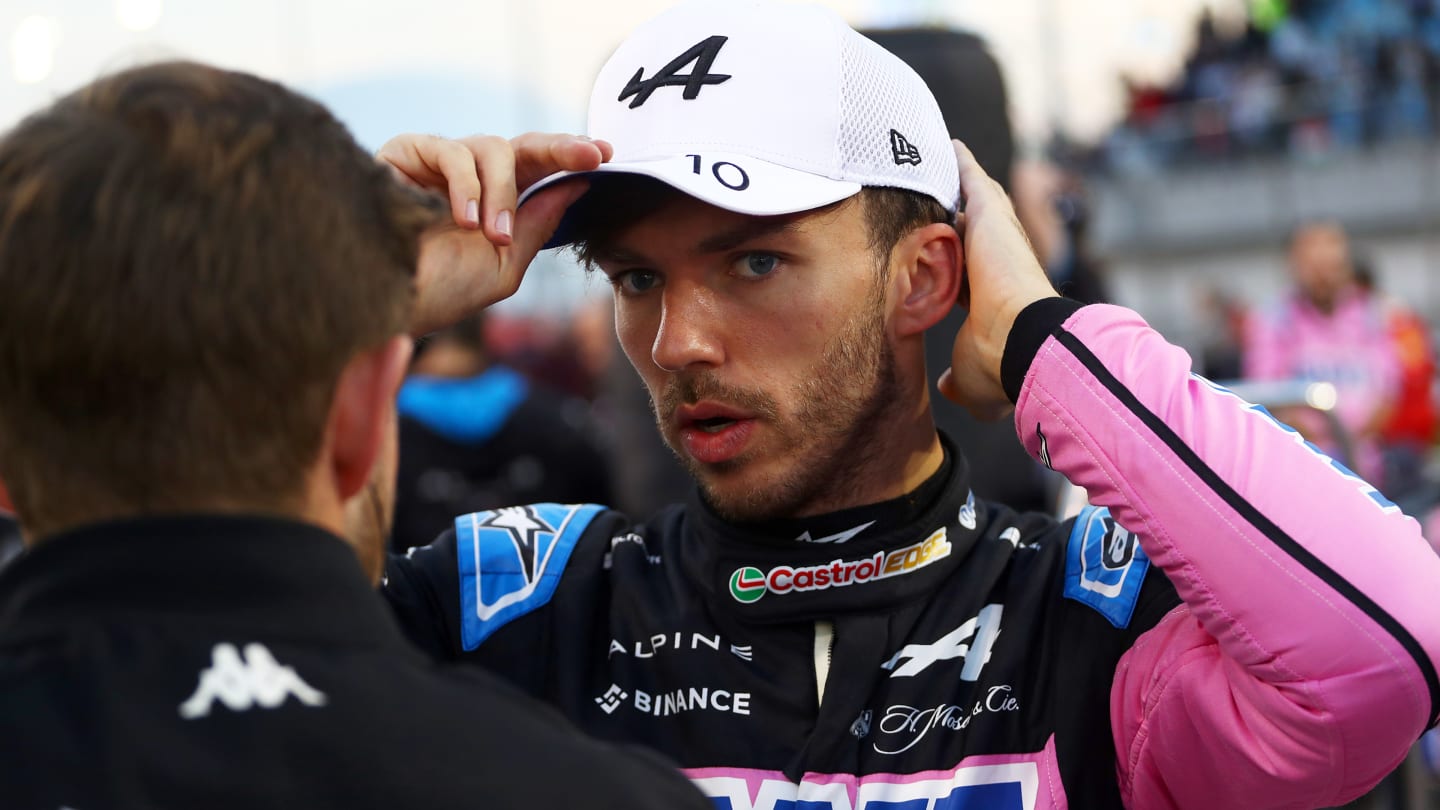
(691, 329)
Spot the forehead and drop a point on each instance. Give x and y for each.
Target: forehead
(688, 225)
(1319, 239)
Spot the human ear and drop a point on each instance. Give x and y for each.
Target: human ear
(363, 412)
(928, 264)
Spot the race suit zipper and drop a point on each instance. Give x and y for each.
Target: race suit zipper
(824, 644)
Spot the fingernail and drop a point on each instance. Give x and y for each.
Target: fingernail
(502, 222)
(472, 212)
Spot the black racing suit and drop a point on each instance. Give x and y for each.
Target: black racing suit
(651, 636)
(939, 651)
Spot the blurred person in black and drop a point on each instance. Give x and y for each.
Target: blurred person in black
(207, 285)
(969, 86)
(477, 435)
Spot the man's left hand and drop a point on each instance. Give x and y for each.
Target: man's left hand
(1003, 277)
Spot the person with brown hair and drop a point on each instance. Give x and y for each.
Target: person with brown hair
(835, 620)
(205, 293)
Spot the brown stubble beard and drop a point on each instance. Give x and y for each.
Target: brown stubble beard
(834, 438)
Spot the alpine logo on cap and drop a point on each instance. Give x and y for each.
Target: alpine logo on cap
(904, 151)
(703, 54)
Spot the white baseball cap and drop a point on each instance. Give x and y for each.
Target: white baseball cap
(766, 108)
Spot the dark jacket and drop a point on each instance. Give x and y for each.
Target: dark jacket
(487, 441)
(247, 662)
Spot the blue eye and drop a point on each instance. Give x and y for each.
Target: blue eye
(758, 265)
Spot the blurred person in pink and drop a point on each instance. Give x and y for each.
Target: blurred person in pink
(1326, 329)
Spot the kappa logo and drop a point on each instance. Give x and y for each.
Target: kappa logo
(749, 583)
(904, 151)
(611, 700)
(836, 538)
(983, 628)
(702, 53)
(242, 683)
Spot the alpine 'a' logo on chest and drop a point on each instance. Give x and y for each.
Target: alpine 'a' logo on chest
(972, 641)
(702, 53)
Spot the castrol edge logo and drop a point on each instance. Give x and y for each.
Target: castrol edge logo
(749, 583)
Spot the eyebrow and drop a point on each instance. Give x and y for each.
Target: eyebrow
(614, 255)
(753, 229)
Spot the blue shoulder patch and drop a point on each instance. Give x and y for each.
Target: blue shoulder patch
(1104, 566)
(511, 561)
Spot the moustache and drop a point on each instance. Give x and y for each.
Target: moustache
(692, 388)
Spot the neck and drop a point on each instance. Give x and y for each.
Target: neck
(909, 457)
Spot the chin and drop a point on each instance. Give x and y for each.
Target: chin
(747, 496)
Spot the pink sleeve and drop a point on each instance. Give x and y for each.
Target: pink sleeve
(1301, 667)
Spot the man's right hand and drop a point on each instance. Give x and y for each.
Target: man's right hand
(481, 256)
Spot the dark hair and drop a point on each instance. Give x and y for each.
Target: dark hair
(616, 202)
(188, 259)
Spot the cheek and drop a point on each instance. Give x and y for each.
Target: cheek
(636, 334)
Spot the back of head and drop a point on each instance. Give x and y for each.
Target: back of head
(189, 257)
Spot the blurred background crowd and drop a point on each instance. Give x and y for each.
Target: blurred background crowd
(1301, 77)
(1259, 178)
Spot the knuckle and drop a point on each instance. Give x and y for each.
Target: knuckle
(488, 144)
(453, 150)
(527, 140)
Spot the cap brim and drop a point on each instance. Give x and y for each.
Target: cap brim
(738, 183)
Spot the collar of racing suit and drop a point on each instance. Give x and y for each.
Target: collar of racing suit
(864, 559)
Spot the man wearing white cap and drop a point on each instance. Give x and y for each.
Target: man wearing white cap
(834, 621)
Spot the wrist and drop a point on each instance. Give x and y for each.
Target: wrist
(1033, 326)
